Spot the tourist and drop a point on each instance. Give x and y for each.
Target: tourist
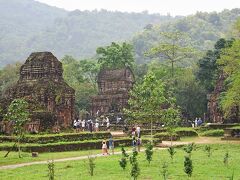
(78, 125)
(75, 125)
(138, 130)
(134, 143)
(199, 122)
(83, 125)
(90, 126)
(195, 122)
(139, 144)
(104, 147)
(133, 131)
(96, 126)
(111, 144)
(108, 126)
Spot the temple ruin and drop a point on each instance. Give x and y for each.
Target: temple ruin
(113, 91)
(51, 99)
(214, 109)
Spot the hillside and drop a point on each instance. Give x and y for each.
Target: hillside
(204, 29)
(27, 26)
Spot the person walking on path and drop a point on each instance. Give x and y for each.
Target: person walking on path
(111, 144)
(108, 126)
(104, 147)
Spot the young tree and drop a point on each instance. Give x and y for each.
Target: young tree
(149, 102)
(149, 152)
(18, 113)
(188, 167)
(174, 48)
(115, 56)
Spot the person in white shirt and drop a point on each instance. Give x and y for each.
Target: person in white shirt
(75, 125)
(138, 129)
(83, 125)
(96, 126)
(108, 126)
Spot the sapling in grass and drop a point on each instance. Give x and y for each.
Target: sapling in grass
(171, 151)
(123, 160)
(189, 148)
(164, 171)
(51, 170)
(188, 167)
(225, 159)
(208, 149)
(91, 165)
(149, 152)
(135, 170)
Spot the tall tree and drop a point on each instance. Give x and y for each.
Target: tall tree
(230, 62)
(174, 48)
(149, 102)
(115, 56)
(208, 67)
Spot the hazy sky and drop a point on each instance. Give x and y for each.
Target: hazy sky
(174, 7)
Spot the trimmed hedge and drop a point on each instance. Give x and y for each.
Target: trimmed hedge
(70, 146)
(148, 131)
(213, 133)
(165, 136)
(52, 138)
(185, 132)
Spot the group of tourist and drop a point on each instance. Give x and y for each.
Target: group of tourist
(136, 138)
(83, 125)
(197, 122)
(107, 145)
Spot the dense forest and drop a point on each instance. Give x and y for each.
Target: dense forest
(28, 26)
(187, 54)
(79, 33)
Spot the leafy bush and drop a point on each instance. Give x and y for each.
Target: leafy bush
(65, 146)
(149, 152)
(185, 132)
(188, 167)
(213, 133)
(52, 138)
(165, 136)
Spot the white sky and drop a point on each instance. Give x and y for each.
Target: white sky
(174, 7)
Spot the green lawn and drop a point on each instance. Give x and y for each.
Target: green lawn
(107, 168)
(27, 157)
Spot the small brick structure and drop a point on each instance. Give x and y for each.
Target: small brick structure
(41, 83)
(113, 91)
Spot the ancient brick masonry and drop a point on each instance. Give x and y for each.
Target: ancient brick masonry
(113, 90)
(41, 83)
(215, 114)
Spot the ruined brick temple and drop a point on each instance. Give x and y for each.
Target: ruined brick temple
(41, 82)
(113, 91)
(214, 109)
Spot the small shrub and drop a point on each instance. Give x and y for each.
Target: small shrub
(164, 170)
(149, 152)
(135, 170)
(123, 163)
(213, 133)
(208, 149)
(185, 132)
(91, 165)
(51, 170)
(123, 160)
(171, 151)
(166, 136)
(188, 167)
(225, 159)
(189, 148)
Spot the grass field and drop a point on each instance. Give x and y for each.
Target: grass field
(107, 168)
